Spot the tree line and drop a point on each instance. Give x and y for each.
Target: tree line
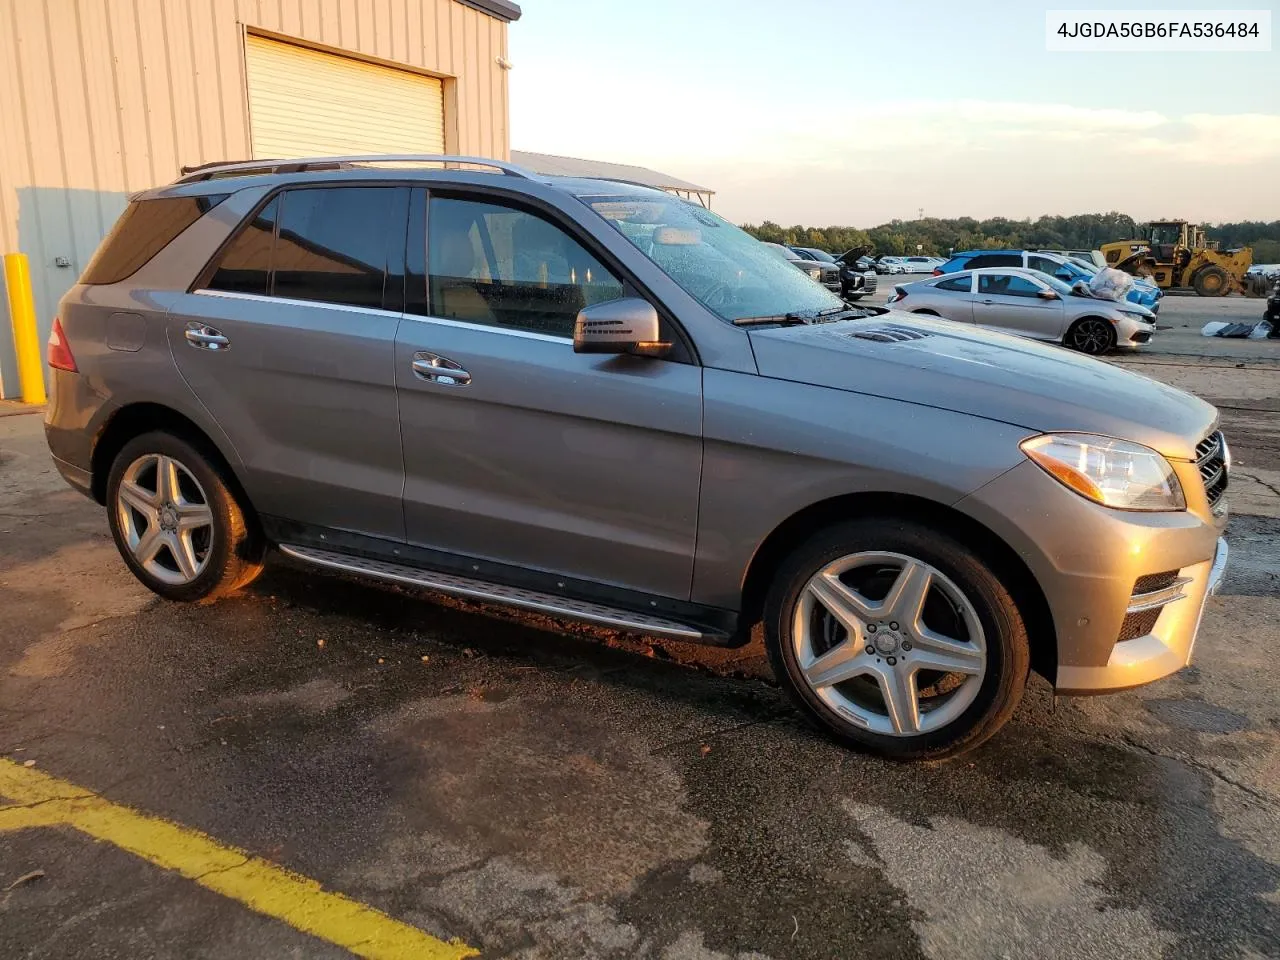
(938, 237)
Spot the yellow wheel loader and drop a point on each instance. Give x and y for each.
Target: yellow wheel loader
(1175, 253)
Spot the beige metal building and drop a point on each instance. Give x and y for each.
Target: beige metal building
(102, 98)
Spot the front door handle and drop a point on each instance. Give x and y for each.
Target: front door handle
(988, 301)
(437, 369)
(205, 337)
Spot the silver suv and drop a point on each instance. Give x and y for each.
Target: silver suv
(599, 401)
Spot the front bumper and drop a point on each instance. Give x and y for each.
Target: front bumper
(1165, 650)
(1090, 562)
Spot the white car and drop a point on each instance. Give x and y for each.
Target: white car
(1030, 304)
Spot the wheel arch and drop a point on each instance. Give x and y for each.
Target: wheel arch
(135, 419)
(1003, 559)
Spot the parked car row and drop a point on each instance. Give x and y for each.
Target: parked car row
(1031, 303)
(1067, 269)
(854, 278)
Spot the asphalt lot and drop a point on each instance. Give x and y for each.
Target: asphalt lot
(537, 789)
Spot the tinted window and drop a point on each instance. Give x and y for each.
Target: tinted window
(143, 230)
(1043, 264)
(245, 265)
(1007, 285)
(505, 267)
(963, 284)
(333, 244)
(995, 260)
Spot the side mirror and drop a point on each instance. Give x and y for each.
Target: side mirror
(628, 325)
(1048, 295)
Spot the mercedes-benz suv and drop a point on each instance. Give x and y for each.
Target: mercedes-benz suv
(598, 401)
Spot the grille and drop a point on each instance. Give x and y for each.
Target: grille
(1155, 581)
(1139, 624)
(1212, 463)
(890, 334)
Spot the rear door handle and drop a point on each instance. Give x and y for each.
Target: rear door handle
(438, 369)
(205, 337)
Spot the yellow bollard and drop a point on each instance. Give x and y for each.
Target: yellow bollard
(22, 314)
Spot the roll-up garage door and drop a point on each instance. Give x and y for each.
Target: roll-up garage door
(303, 102)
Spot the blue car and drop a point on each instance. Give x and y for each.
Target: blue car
(1066, 269)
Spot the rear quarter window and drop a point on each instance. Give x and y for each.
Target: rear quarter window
(144, 229)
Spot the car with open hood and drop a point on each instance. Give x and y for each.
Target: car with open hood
(600, 402)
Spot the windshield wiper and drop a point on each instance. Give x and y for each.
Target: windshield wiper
(782, 319)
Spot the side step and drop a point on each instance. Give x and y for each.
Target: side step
(497, 593)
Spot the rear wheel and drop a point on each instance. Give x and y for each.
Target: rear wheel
(897, 639)
(177, 523)
(1211, 281)
(926, 312)
(1091, 335)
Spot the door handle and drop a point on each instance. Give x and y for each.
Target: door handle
(988, 301)
(441, 370)
(205, 337)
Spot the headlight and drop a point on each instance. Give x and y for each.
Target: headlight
(1138, 315)
(1115, 473)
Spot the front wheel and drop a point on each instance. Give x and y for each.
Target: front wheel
(1091, 335)
(897, 639)
(176, 522)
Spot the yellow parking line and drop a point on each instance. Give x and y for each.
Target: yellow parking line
(39, 800)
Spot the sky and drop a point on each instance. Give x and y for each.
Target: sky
(857, 112)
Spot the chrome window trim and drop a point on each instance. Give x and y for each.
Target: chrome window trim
(490, 327)
(263, 298)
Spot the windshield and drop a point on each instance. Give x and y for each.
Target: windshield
(821, 255)
(723, 268)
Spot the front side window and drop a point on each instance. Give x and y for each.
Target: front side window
(1007, 285)
(1044, 264)
(725, 269)
(505, 267)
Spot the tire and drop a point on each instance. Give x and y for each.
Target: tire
(201, 545)
(955, 711)
(926, 312)
(1211, 281)
(1092, 335)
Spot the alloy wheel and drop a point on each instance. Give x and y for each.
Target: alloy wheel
(165, 518)
(1092, 336)
(889, 643)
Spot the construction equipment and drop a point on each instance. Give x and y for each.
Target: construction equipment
(1175, 253)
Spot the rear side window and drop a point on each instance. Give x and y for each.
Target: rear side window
(144, 229)
(994, 260)
(245, 266)
(962, 284)
(328, 244)
(333, 244)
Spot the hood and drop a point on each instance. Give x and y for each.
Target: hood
(986, 374)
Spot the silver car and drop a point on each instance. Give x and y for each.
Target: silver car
(596, 401)
(1031, 304)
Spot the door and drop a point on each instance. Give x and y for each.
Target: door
(290, 343)
(954, 299)
(517, 449)
(307, 103)
(1013, 303)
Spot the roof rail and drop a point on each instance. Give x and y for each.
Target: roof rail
(207, 171)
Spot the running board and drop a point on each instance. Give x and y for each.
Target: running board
(497, 593)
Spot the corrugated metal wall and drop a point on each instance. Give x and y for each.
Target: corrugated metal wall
(102, 98)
